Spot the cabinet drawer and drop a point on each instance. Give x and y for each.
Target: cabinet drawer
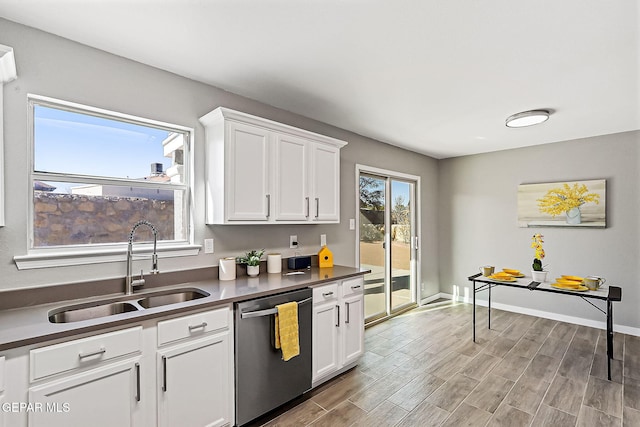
(325, 293)
(192, 325)
(83, 352)
(352, 286)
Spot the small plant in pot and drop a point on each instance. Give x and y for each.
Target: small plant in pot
(252, 260)
(538, 272)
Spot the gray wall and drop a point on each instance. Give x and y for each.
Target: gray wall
(478, 221)
(55, 67)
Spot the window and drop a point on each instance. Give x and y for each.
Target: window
(96, 173)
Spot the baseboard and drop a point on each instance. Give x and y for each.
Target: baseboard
(436, 297)
(553, 316)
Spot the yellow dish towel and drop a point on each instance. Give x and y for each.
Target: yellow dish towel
(287, 330)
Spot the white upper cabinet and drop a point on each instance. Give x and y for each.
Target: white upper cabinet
(247, 174)
(325, 170)
(291, 178)
(260, 171)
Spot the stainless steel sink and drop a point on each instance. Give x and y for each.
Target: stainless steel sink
(89, 311)
(94, 310)
(171, 297)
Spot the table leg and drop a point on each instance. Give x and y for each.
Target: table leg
(609, 337)
(489, 318)
(474, 311)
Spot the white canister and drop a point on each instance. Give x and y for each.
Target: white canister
(227, 268)
(274, 263)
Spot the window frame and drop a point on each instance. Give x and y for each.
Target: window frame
(81, 254)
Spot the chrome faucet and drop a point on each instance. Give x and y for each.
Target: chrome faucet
(130, 282)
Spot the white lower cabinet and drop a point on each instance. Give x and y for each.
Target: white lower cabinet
(338, 327)
(2, 400)
(90, 381)
(105, 396)
(174, 372)
(195, 376)
(325, 338)
(353, 328)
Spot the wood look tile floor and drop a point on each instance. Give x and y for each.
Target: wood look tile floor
(422, 369)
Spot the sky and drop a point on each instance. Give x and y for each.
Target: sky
(69, 142)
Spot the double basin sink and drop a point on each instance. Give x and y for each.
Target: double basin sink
(95, 310)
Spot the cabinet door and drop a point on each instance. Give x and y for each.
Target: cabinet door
(353, 328)
(1, 387)
(325, 339)
(325, 181)
(291, 177)
(106, 396)
(194, 383)
(247, 173)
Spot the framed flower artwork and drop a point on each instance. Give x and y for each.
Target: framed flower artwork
(563, 204)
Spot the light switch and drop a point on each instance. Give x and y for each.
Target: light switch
(293, 242)
(323, 240)
(208, 246)
(352, 224)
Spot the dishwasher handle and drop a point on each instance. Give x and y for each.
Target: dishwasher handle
(269, 311)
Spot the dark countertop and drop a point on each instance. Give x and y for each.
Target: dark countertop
(23, 326)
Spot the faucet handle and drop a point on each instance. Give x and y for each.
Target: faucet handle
(139, 282)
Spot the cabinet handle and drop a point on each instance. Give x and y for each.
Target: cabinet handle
(317, 207)
(346, 305)
(327, 294)
(164, 373)
(137, 382)
(201, 325)
(268, 205)
(355, 287)
(307, 200)
(338, 323)
(101, 351)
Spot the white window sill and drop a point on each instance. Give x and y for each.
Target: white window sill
(46, 258)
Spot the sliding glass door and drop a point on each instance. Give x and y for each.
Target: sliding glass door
(387, 242)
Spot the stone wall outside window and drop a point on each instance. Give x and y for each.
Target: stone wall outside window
(70, 219)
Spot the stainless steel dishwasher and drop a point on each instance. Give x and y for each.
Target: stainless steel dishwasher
(263, 380)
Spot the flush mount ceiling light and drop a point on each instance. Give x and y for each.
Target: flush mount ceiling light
(527, 118)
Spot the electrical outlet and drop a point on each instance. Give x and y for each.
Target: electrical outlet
(208, 246)
(323, 240)
(293, 242)
(352, 224)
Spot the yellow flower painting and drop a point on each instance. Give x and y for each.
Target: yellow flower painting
(563, 204)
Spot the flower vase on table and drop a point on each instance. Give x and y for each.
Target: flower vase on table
(539, 276)
(538, 273)
(253, 270)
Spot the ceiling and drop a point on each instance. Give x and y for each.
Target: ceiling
(438, 77)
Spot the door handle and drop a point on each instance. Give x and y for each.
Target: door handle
(137, 382)
(268, 205)
(268, 311)
(346, 305)
(100, 352)
(164, 373)
(201, 325)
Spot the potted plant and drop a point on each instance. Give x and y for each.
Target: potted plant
(538, 273)
(252, 260)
